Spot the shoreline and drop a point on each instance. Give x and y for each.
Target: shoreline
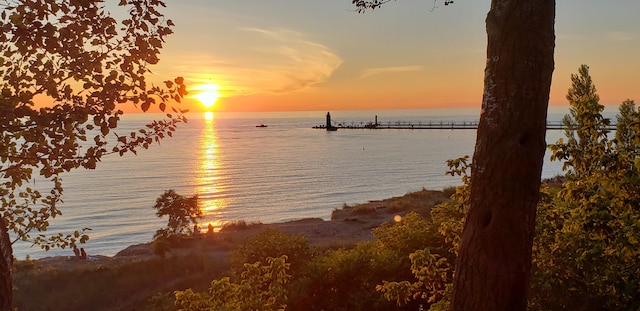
(347, 226)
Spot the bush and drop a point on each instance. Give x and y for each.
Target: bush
(238, 225)
(449, 191)
(260, 287)
(161, 247)
(272, 243)
(345, 280)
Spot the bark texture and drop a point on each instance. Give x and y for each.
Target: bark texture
(494, 262)
(6, 264)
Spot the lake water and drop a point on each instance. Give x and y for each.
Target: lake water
(281, 172)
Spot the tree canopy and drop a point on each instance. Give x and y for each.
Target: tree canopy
(66, 66)
(182, 212)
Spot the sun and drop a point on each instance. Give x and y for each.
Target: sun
(207, 94)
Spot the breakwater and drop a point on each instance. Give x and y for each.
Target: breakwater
(421, 125)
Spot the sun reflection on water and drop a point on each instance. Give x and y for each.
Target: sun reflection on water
(208, 178)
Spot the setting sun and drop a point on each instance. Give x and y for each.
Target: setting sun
(207, 94)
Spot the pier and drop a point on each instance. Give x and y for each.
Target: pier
(422, 125)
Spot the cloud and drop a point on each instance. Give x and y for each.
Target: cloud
(261, 60)
(384, 70)
(621, 36)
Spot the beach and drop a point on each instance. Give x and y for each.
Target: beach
(345, 228)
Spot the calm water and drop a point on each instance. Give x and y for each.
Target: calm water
(283, 172)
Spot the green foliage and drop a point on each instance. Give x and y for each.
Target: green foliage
(449, 216)
(434, 275)
(182, 212)
(413, 232)
(588, 241)
(81, 63)
(261, 287)
(585, 128)
(432, 265)
(588, 232)
(409, 263)
(345, 279)
(272, 243)
(583, 91)
(628, 128)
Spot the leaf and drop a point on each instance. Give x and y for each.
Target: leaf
(155, 42)
(113, 122)
(182, 90)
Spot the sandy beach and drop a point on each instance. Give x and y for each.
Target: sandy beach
(347, 226)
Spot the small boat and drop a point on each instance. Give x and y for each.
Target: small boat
(261, 125)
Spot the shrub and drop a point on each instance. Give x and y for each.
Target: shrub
(161, 247)
(260, 287)
(238, 225)
(272, 243)
(449, 191)
(345, 280)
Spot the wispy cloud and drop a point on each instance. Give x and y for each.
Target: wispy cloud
(384, 70)
(265, 61)
(621, 36)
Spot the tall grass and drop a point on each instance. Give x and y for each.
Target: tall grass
(110, 284)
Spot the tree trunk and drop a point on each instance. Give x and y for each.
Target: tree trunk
(6, 263)
(494, 262)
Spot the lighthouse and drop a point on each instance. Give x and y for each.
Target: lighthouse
(329, 126)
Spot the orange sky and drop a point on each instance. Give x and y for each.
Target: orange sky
(283, 55)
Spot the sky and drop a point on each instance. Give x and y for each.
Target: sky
(282, 55)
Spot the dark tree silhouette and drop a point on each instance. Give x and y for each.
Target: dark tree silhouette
(85, 63)
(494, 263)
(182, 212)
